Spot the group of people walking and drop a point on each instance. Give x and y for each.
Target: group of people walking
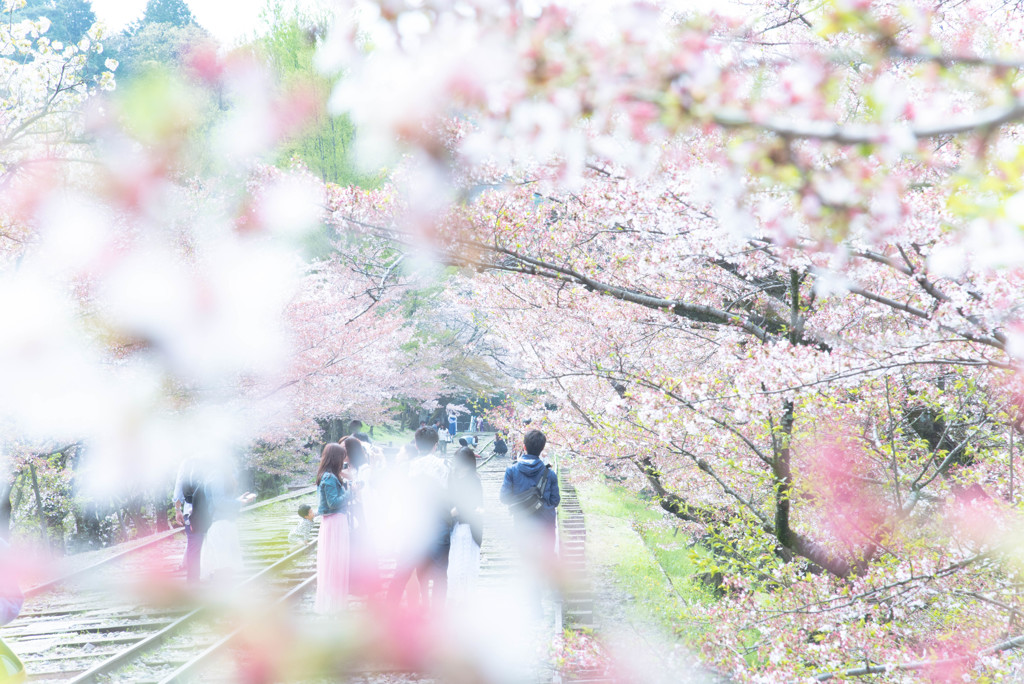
(425, 510)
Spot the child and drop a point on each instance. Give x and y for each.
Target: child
(304, 529)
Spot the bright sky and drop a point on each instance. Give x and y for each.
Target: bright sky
(227, 20)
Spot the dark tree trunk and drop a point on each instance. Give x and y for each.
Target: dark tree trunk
(162, 504)
(672, 502)
(333, 429)
(39, 504)
(138, 518)
(789, 538)
(6, 508)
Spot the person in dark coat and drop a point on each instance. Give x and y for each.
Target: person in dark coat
(500, 446)
(192, 511)
(525, 473)
(355, 429)
(534, 532)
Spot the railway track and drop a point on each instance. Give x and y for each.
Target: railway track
(92, 626)
(87, 624)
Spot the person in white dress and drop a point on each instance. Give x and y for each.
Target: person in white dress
(467, 496)
(221, 555)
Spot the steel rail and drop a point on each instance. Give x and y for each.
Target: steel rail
(124, 656)
(196, 663)
(484, 462)
(182, 671)
(157, 539)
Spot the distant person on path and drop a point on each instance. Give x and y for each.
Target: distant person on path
(355, 429)
(428, 473)
(192, 511)
(443, 438)
(467, 496)
(472, 423)
(500, 446)
(332, 553)
(303, 531)
(453, 425)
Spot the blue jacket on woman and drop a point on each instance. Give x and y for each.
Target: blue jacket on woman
(526, 473)
(333, 497)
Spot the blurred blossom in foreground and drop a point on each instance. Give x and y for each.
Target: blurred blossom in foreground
(147, 301)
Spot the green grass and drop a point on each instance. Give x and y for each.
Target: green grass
(382, 434)
(652, 561)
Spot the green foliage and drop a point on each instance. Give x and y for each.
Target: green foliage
(325, 147)
(751, 639)
(160, 39)
(154, 46)
(158, 105)
(173, 12)
(382, 434)
(55, 487)
(273, 466)
(69, 19)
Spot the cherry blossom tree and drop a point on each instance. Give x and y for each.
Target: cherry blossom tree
(155, 305)
(46, 82)
(355, 352)
(769, 263)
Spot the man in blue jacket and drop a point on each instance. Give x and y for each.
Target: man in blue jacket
(524, 474)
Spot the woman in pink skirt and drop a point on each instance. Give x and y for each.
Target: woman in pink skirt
(332, 552)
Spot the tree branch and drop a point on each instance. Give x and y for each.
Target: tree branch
(537, 267)
(1007, 645)
(865, 134)
(672, 503)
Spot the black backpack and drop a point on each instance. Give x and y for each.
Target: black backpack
(530, 501)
